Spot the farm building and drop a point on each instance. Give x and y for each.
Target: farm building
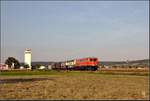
(3, 67)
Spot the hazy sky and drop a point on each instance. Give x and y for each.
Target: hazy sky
(61, 30)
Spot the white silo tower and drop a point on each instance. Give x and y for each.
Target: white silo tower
(27, 57)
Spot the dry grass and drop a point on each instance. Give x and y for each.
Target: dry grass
(83, 86)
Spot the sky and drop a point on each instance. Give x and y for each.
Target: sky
(63, 30)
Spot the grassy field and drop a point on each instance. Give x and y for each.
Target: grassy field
(74, 84)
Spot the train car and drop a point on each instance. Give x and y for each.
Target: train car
(63, 66)
(70, 64)
(56, 66)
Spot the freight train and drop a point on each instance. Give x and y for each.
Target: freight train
(89, 63)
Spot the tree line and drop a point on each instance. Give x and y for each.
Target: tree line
(13, 63)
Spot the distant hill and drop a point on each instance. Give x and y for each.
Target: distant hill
(144, 62)
(110, 62)
(42, 63)
(141, 61)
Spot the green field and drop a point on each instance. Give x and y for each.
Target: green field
(53, 72)
(74, 85)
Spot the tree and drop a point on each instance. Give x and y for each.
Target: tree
(25, 65)
(36, 66)
(12, 62)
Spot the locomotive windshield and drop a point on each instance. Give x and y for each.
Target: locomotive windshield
(95, 59)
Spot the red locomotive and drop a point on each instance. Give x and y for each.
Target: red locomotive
(89, 63)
